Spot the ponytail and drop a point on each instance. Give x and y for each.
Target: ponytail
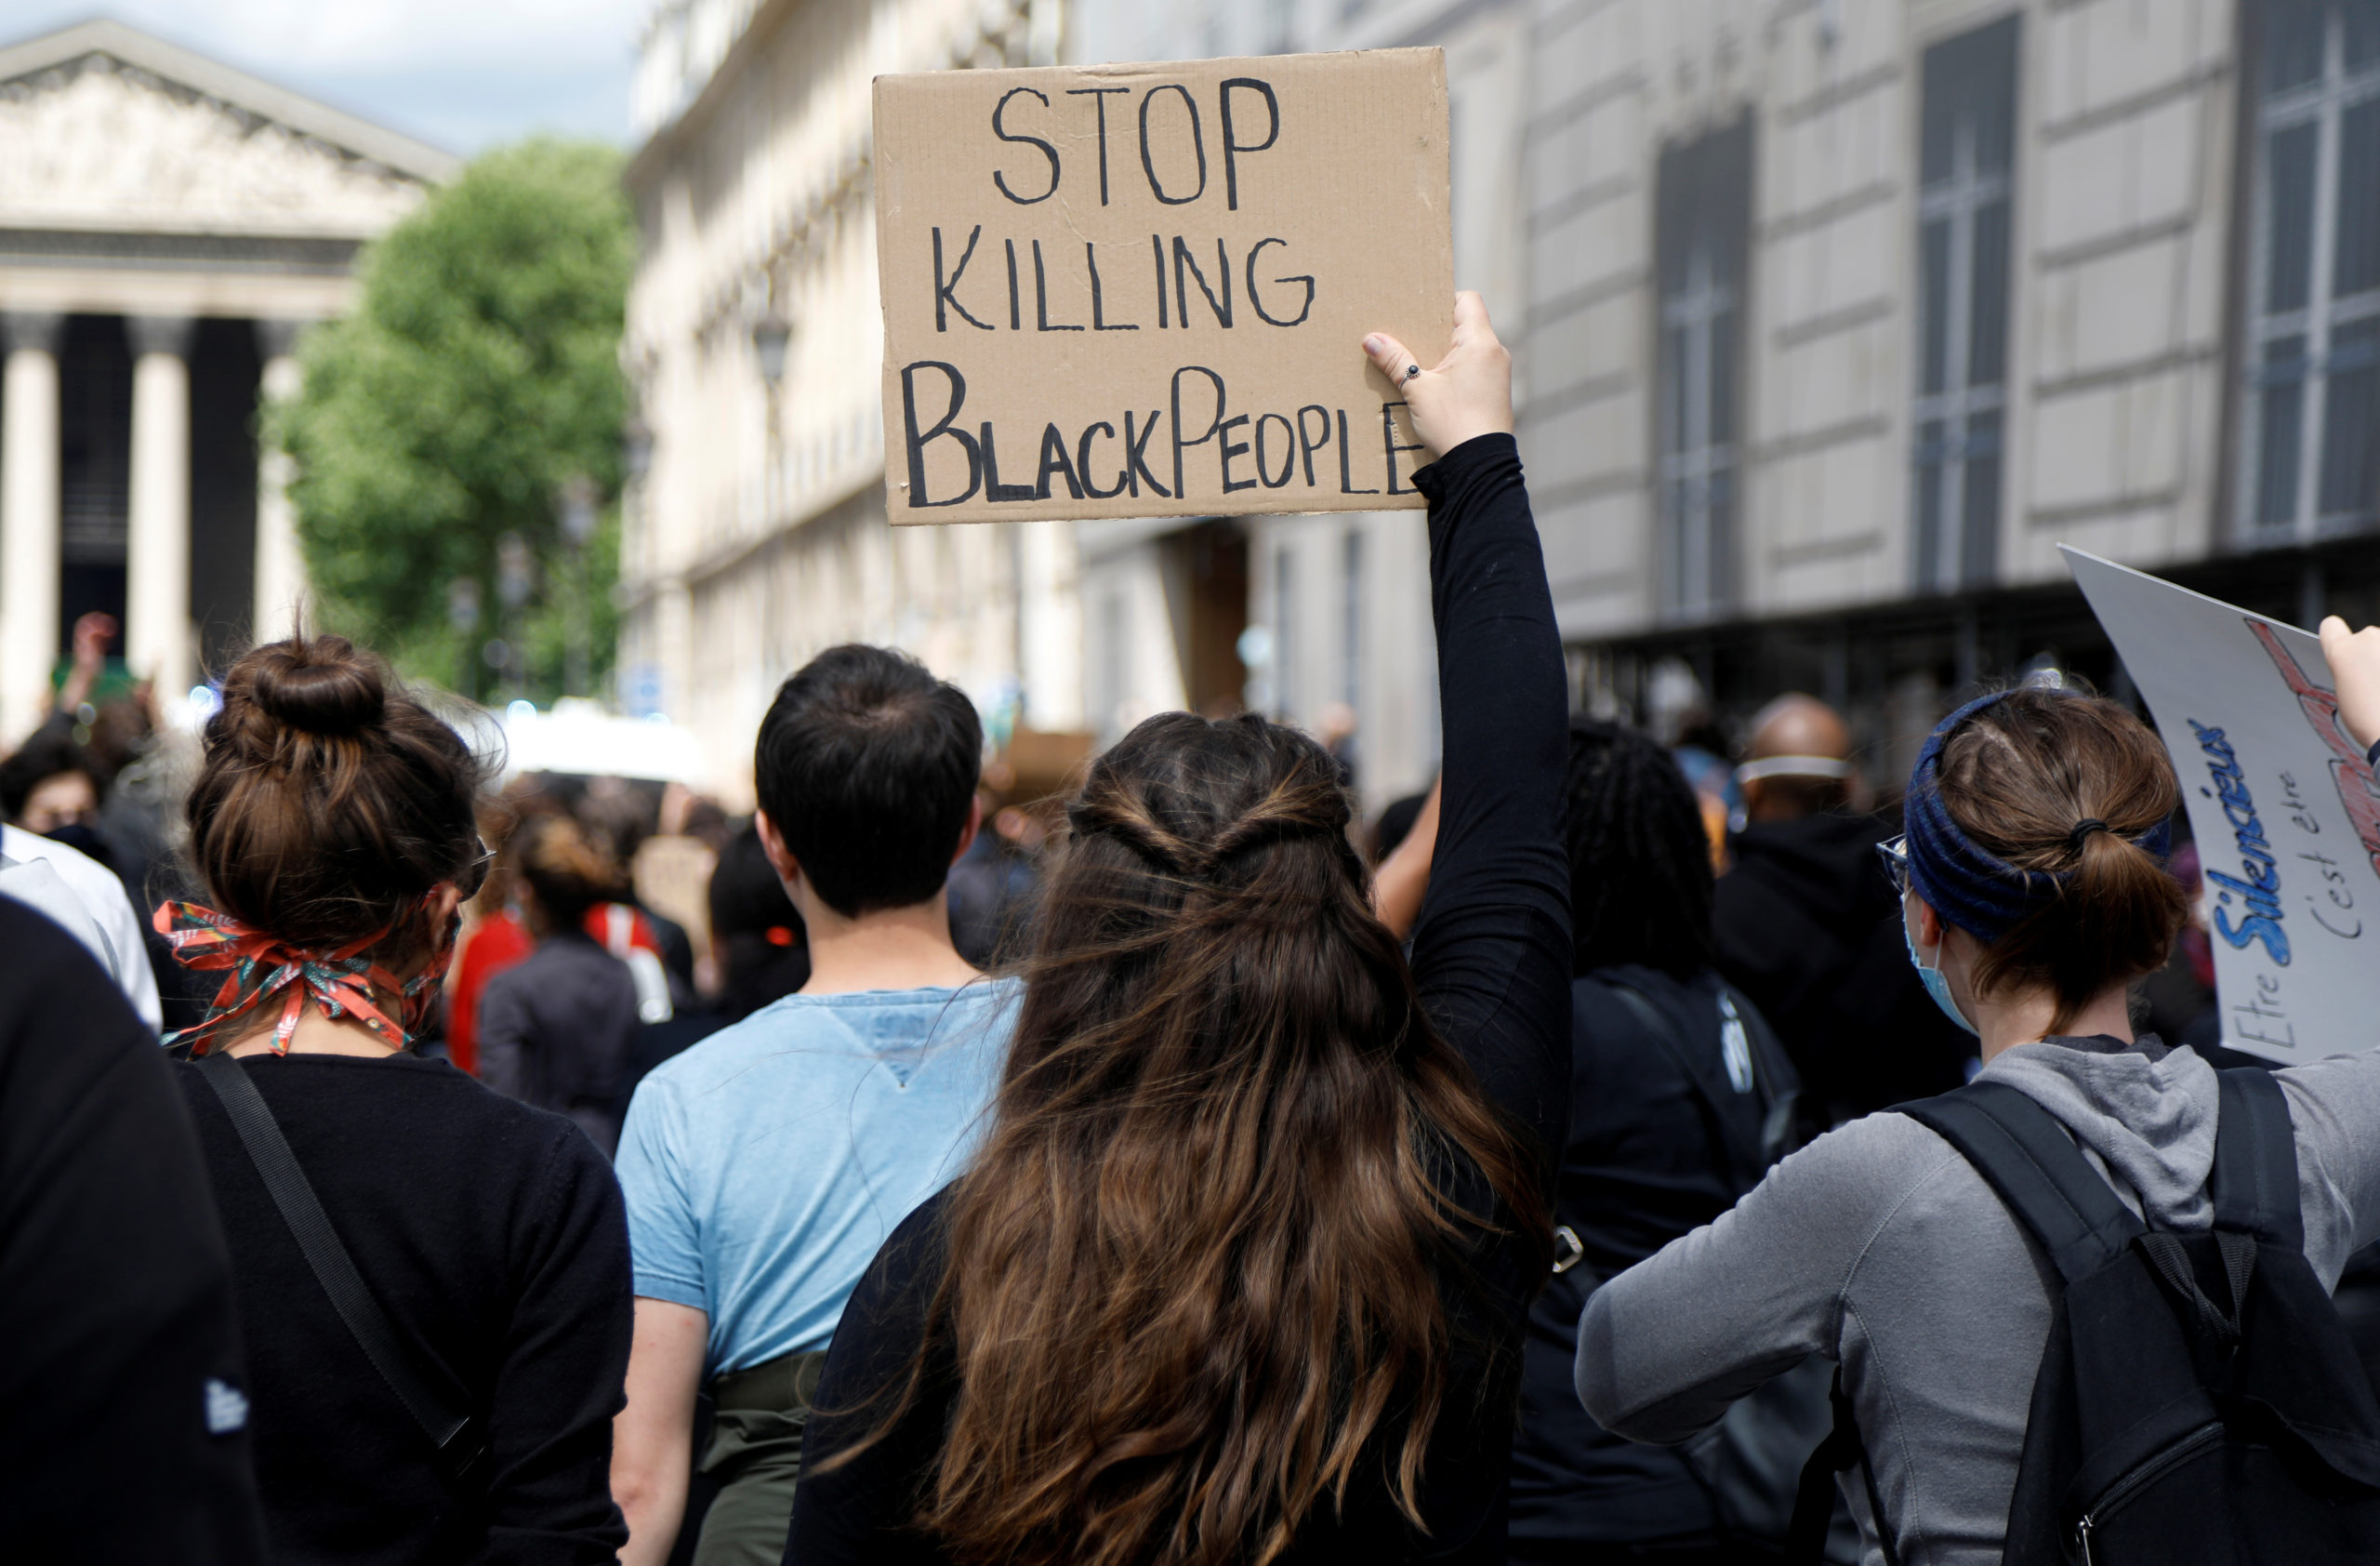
(2072, 791)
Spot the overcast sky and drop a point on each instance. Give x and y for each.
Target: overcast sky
(461, 74)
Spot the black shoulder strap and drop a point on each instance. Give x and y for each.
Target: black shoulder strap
(2026, 1155)
(2255, 1160)
(1699, 1072)
(1814, 1496)
(460, 1443)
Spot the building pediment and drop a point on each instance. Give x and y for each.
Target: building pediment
(103, 129)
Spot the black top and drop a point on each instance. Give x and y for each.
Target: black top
(493, 1236)
(123, 1430)
(1658, 1149)
(1492, 954)
(1808, 925)
(555, 1028)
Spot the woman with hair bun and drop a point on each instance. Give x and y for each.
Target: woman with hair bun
(465, 1274)
(555, 1031)
(2034, 891)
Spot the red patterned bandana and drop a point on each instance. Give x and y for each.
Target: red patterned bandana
(341, 982)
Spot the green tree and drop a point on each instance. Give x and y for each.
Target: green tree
(440, 423)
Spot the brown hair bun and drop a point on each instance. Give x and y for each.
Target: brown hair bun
(324, 686)
(329, 801)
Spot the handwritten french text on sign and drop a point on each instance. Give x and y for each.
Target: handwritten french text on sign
(1140, 290)
(2282, 802)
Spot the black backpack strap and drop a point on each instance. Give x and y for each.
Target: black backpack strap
(2255, 1160)
(2026, 1155)
(460, 1443)
(1814, 1498)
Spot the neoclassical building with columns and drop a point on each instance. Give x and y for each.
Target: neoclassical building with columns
(168, 227)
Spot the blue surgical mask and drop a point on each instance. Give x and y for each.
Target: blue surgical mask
(1937, 983)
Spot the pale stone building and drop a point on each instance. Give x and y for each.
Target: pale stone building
(1842, 314)
(756, 534)
(168, 226)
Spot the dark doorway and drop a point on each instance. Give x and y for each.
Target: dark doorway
(95, 469)
(224, 372)
(1213, 559)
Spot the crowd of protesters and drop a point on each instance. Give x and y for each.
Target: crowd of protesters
(570, 1174)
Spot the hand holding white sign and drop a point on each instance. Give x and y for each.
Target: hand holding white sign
(2269, 734)
(2354, 657)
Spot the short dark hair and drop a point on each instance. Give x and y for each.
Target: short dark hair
(867, 764)
(1640, 863)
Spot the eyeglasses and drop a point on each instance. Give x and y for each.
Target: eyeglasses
(474, 876)
(1894, 852)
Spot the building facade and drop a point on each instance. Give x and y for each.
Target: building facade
(168, 227)
(1842, 314)
(755, 535)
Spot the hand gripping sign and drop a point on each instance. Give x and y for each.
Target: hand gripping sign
(1139, 290)
(2283, 805)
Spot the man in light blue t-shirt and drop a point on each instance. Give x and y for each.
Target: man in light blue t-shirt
(765, 1165)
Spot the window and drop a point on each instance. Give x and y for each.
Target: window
(1701, 210)
(1281, 27)
(1965, 164)
(2313, 343)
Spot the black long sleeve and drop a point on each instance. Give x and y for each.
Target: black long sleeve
(1492, 954)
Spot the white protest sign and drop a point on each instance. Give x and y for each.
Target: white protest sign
(2282, 802)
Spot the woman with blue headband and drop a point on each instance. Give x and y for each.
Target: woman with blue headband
(2034, 890)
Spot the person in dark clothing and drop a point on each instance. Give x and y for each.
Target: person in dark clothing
(1809, 928)
(1395, 821)
(763, 951)
(126, 1437)
(332, 825)
(556, 1029)
(991, 897)
(1673, 1083)
(1196, 1292)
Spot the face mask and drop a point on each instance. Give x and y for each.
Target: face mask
(1936, 982)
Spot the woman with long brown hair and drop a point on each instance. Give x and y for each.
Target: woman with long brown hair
(1241, 1269)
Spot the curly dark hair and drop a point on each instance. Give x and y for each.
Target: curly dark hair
(1640, 863)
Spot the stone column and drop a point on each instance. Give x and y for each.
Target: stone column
(28, 522)
(156, 633)
(281, 568)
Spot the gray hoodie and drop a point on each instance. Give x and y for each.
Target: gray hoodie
(1879, 1247)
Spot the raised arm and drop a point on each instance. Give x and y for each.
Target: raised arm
(1492, 949)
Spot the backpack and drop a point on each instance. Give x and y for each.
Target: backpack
(2198, 1399)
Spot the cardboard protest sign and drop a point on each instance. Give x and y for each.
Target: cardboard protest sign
(2282, 802)
(1140, 290)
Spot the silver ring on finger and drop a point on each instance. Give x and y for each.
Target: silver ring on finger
(1410, 371)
